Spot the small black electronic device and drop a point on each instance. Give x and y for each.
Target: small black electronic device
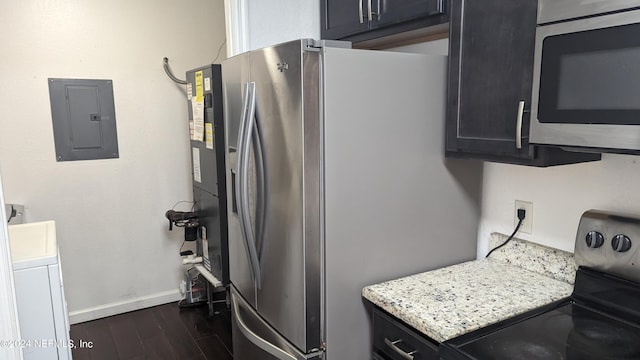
(186, 219)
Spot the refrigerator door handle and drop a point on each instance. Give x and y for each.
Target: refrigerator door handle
(243, 169)
(241, 132)
(238, 186)
(263, 196)
(257, 340)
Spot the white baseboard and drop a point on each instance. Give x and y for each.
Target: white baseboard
(124, 306)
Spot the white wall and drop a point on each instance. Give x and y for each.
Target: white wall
(254, 24)
(113, 238)
(559, 194)
(276, 21)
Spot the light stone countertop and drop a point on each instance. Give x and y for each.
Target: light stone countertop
(458, 299)
(555, 263)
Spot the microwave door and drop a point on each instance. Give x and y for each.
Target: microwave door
(586, 82)
(550, 11)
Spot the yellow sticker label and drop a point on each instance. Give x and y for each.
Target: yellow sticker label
(208, 135)
(199, 86)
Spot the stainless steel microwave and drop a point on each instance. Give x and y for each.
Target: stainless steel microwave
(586, 83)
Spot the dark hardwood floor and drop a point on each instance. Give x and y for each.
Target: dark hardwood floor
(161, 332)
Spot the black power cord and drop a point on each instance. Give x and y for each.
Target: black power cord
(521, 215)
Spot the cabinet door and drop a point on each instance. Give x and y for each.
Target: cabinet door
(490, 73)
(60, 312)
(35, 312)
(341, 18)
(389, 12)
(393, 340)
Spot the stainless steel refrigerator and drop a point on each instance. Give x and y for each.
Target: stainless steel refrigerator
(336, 180)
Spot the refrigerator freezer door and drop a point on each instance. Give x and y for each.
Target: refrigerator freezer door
(289, 299)
(253, 338)
(235, 77)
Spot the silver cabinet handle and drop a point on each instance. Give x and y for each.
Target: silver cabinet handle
(371, 13)
(361, 13)
(519, 125)
(257, 340)
(392, 345)
(244, 185)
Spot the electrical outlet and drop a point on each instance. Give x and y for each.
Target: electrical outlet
(527, 223)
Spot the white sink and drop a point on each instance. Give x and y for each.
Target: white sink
(33, 244)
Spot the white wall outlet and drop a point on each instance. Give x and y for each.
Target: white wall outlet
(527, 223)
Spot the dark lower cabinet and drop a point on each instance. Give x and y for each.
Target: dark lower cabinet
(392, 340)
(361, 20)
(491, 46)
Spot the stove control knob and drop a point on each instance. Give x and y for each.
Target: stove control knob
(621, 243)
(594, 239)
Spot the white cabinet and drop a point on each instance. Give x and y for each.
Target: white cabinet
(42, 312)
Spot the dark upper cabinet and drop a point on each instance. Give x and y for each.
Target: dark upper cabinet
(390, 12)
(491, 45)
(342, 18)
(360, 20)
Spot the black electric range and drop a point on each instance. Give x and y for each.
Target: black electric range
(601, 319)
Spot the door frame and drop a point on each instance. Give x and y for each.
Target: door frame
(237, 29)
(9, 330)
